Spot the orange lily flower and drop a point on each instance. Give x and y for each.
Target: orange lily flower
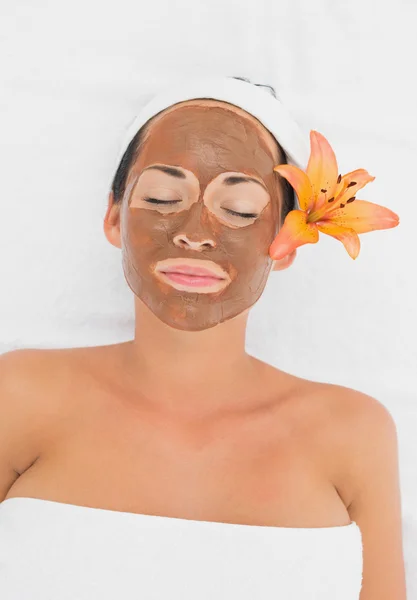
(328, 204)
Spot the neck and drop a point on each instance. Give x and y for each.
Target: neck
(183, 370)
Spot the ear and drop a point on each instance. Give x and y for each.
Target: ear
(111, 223)
(284, 263)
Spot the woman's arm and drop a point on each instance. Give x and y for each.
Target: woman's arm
(376, 498)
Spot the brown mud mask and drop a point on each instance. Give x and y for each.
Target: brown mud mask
(206, 213)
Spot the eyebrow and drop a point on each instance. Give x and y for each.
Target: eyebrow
(230, 180)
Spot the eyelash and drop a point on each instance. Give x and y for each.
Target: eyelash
(233, 212)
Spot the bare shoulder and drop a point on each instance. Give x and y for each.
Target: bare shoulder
(28, 370)
(333, 407)
(20, 366)
(369, 435)
(369, 459)
(354, 426)
(354, 410)
(22, 373)
(27, 374)
(360, 418)
(345, 411)
(19, 415)
(31, 401)
(45, 383)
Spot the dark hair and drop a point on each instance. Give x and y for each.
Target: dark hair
(133, 150)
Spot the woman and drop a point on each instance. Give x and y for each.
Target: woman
(176, 464)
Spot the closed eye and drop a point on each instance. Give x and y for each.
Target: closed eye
(233, 212)
(156, 201)
(244, 215)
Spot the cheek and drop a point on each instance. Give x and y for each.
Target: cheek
(247, 249)
(144, 231)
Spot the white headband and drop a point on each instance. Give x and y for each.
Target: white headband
(253, 99)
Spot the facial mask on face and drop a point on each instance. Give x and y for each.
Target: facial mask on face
(197, 220)
(202, 222)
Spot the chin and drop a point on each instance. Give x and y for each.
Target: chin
(192, 317)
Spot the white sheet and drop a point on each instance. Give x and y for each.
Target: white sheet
(72, 75)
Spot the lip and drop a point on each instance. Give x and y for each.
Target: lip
(202, 276)
(196, 271)
(188, 269)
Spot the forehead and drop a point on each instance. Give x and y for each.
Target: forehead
(209, 137)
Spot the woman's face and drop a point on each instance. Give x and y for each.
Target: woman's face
(198, 220)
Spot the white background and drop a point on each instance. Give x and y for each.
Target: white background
(73, 75)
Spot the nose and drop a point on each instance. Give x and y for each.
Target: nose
(195, 230)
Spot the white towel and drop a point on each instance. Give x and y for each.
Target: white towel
(55, 551)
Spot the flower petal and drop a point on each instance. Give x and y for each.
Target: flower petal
(345, 190)
(300, 182)
(363, 216)
(348, 237)
(322, 169)
(295, 232)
